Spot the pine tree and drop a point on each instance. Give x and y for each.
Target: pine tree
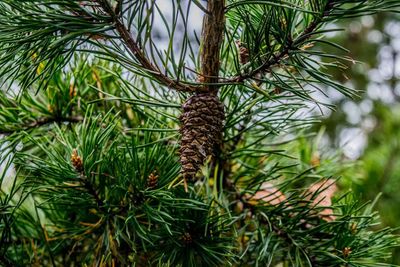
(138, 140)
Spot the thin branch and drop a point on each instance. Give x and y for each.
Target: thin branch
(41, 122)
(277, 58)
(144, 61)
(78, 165)
(282, 233)
(133, 46)
(92, 191)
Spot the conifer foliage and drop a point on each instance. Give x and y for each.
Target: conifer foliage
(135, 139)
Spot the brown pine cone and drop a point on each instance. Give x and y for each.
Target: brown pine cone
(201, 129)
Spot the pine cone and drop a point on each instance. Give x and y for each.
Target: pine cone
(201, 129)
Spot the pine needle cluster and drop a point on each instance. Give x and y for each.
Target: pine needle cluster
(137, 140)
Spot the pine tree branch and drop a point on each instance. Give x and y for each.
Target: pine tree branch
(90, 188)
(290, 44)
(213, 31)
(145, 62)
(280, 231)
(225, 163)
(84, 180)
(285, 235)
(133, 46)
(41, 122)
(92, 191)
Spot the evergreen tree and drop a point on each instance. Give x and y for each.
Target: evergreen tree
(130, 150)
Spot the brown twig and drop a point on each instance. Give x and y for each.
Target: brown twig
(92, 191)
(41, 122)
(211, 42)
(145, 62)
(134, 47)
(278, 57)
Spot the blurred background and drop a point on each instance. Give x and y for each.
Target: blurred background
(367, 129)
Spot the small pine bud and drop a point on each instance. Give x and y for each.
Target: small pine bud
(306, 46)
(243, 53)
(152, 180)
(93, 211)
(96, 36)
(244, 240)
(187, 238)
(72, 91)
(251, 226)
(239, 207)
(277, 90)
(50, 108)
(76, 161)
(353, 228)
(346, 252)
(201, 79)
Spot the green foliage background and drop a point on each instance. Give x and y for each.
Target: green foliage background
(378, 167)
